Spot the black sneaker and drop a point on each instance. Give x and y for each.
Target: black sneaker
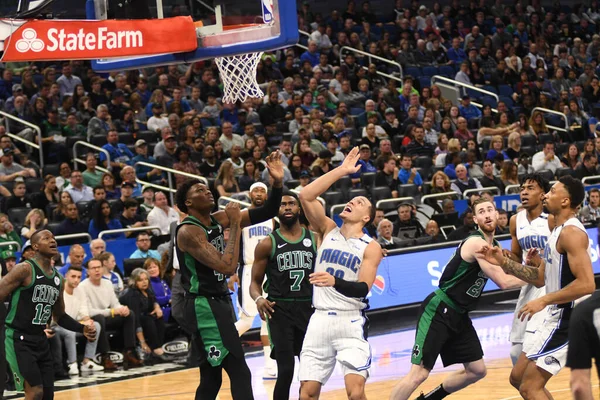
(60, 375)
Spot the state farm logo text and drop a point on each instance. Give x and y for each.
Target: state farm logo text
(98, 39)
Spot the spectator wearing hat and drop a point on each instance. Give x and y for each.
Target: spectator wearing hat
(143, 172)
(148, 203)
(157, 121)
(304, 180)
(9, 105)
(27, 251)
(91, 176)
(468, 110)
(67, 81)
(78, 190)
(10, 260)
(407, 226)
(120, 155)
(126, 194)
(9, 170)
(391, 125)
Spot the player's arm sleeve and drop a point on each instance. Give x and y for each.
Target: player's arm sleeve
(368, 271)
(579, 354)
(268, 210)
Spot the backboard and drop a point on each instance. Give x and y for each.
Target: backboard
(225, 28)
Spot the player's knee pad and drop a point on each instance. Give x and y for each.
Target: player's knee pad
(515, 352)
(243, 324)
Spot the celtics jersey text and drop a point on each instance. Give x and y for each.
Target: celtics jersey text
(31, 306)
(196, 277)
(464, 281)
(289, 266)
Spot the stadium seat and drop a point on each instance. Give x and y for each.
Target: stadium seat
(430, 71)
(489, 101)
(367, 180)
(544, 138)
(17, 215)
(71, 140)
(332, 198)
(447, 71)
(528, 140)
(52, 226)
(397, 143)
(343, 185)
(381, 193)
(34, 185)
(560, 172)
(126, 138)
(98, 140)
(505, 90)
(51, 169)
(415, 72)
(352, 193)
(408, 190)
(425, 81)
(508, 101)
(547, 174)
(528, 150)
(490, 88)
(149, 136)
(292, 184)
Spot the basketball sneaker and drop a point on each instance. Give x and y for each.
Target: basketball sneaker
(73, 369)
(91, 366)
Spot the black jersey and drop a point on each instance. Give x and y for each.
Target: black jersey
(464, 281)
(31, 306)
(290, 264)
(196, 277)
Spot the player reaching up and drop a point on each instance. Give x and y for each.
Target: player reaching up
(345, 269)
(566, 271)
(37, 296)
(444, 327)
(530, 229)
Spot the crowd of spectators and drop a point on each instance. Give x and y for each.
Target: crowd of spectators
(319, 103)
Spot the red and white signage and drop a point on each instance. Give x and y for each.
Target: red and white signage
(90, 40)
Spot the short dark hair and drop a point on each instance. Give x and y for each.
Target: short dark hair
(575, 189)
(143, 233)
(73, 268)
(588, 157)
(594, 190)
(539, 179)
(181, 195)
(502, 212)
(130, 203)
(98, 188)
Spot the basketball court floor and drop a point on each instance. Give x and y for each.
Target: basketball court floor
(391, 359)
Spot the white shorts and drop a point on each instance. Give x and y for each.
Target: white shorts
(335, 336)
(245, 302)
(527, 294)
(548, 344)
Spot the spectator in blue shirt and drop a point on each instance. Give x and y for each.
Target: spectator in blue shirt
(311, 55)
(120, 155)
(407, 173)
(456, 54)
(468, 110)
(143, 247)
(366, 164)
(452, 160)
(143, 172)
(76, 257)
(104, 221)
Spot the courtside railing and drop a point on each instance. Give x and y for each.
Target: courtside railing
(125, 230)
(438, 78)
(371, 57)
(81, 143)
(20, 139)
(548, 111)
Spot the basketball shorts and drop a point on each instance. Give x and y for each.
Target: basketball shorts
(30, 359)
(287, 326)
(211, 321)
(548, 344)
(443, 329)
(518, 329)
(335, 336)
(245, 302)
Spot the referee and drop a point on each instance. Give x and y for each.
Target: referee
(584, 344)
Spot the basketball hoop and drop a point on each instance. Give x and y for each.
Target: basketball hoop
(238, 74)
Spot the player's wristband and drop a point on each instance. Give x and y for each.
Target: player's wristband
(351, 289)
(258, 298)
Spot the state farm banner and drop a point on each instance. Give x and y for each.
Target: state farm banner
(90, 40)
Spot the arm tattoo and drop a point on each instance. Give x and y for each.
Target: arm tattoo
(524, 272)
(233, 240)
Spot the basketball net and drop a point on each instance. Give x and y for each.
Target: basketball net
(238, 74)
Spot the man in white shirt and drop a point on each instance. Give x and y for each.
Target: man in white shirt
(103, 301)
(228, 138)
(591, 212)
(162, 215)
(77, 308)
(321, 39)
(546, 159)
(157, 122)
(77, 190)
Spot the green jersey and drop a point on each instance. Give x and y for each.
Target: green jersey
(30, 307)
(196, 277)
(464, 281)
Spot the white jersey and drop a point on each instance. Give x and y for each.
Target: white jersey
(342, 258)
(530, 235)
(251, 237)
(557, 273)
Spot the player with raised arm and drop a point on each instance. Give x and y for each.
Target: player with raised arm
(286, 257)
(205, 261)
(566, 271)
(530, 229)
(37, 297)
(251, 236)
(345, 269)
(444, 327)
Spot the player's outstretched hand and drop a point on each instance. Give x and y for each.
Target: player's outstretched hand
(265, 308)
(232, 209)
(89, 331)
(533, 307)
(322, 279)
(533, 259)
(350, 164)
(275, 166)
(492, 254)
